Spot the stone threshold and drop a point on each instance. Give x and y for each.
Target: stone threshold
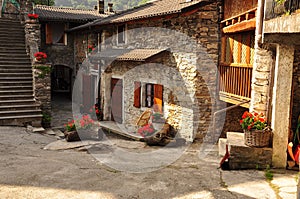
(242, 156)
(119, 129)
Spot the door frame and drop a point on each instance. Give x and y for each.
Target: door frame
(122, 105)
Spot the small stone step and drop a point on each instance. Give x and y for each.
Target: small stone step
(15, 74)
(16, 83)
(21, 120)
(245, 157)
(15, 66)
(19, 107)
(18, 102)
(16, 92)
(15, 97)
(5, 114)
(2, 88)
(15, 62)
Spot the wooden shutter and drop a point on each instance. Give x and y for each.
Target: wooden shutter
(158, 98)
(48, 34)
(137, 94)
(86, 92)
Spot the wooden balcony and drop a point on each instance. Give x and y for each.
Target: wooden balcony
(235, 83)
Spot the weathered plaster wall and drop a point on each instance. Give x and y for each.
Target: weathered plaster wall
(180, 105)
(296, 90)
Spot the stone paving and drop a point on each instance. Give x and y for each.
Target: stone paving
(27, 170)
(61, 110)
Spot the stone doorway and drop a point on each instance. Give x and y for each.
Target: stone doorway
(61, 80)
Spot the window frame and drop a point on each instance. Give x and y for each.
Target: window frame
(123, 33)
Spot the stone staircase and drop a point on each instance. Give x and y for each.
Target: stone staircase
(17, 104)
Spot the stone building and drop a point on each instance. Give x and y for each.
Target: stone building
(59, 45)
(162, 55)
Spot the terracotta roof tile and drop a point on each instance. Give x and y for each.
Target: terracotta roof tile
(139, 54)
(53, 13)
(151, 9)
(126, 54)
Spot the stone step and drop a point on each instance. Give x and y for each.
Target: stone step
(8, 79)
(17, 45)
(19, 112)
(16, 92)
(242, 156)
(22, 120)
(21, 54)
(15, 66)
(16, 70)
(15, 97)
(19, 107)
(17, 102)
(12, 58)
(17, 52)
(15, 74)
(13, 28)
(14, 83)
(15, 62)
(13, 40)
(9, 20)
(17, 88)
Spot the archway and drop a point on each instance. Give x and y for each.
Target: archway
(61, 80)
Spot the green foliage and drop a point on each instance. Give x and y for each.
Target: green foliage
(45, 70)
(44, 2)
(268, 173)
(46, 117)
(90, 4)
(280, 1)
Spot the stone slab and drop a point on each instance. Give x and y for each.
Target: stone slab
(119, 129)
(242, 156)
(64, 145)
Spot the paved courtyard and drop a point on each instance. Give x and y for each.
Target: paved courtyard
(30, 171)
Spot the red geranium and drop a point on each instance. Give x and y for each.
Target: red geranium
(33, 16)
(146, 130)
(255, 121)
(40, 55)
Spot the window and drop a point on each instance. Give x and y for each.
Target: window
(55, 34)
(148, 95)
(121, 34)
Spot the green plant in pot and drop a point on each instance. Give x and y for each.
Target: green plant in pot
(46, 120)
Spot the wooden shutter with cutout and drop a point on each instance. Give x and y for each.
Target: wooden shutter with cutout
(137, 94)
(158, 98)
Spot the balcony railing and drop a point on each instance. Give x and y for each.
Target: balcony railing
(278, 8)
(235, 83)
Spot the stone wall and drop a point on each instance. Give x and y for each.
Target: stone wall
(32, 37)
(42, 86)
(194, 58)
(296, 90)
(58, 54)
(264, 61)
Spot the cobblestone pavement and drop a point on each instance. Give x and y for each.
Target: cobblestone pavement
(61, 110)
(28, 171)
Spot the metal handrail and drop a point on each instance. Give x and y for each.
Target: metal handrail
(221, 111)
(290, 6)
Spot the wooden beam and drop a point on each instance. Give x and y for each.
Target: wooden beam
(240, 27)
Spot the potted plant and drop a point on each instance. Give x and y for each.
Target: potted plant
(32, 18)
(82, 127)
(46, 120)
(256, 131)
(146, 130)
(40, 57)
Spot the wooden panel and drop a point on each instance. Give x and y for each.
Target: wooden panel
(137, 94)
(158, 98)
(87, 95)
(234, 7)
(241, 27)
(48, 34)
(117, 100)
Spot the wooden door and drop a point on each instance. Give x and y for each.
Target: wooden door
(117, 100)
